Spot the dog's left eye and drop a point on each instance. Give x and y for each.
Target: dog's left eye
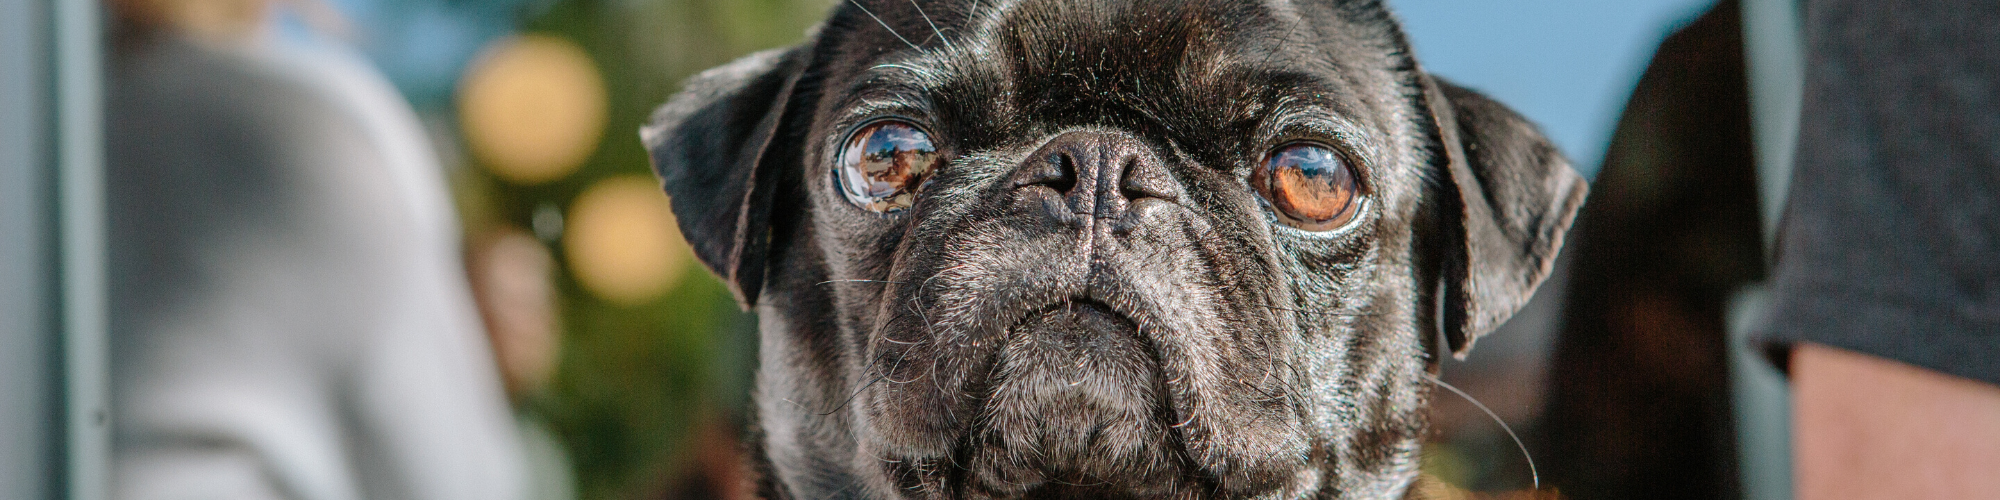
(883, 164)
(1309, 186)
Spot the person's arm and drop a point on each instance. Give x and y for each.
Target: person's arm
(1868, 427)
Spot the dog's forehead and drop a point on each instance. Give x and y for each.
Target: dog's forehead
(1203, 61)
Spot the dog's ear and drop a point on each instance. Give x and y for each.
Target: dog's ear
(711, 147)
(1507, 198)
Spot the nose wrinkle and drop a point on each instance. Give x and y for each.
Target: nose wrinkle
(1097, 165)
(1111, 200)
(1082, 166)
(1095, 194)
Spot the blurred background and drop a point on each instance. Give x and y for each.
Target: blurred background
(628, 365)
(643, 374)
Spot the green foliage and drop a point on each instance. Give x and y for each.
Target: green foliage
(634, 382)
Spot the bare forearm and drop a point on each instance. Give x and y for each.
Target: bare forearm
(1869, 427)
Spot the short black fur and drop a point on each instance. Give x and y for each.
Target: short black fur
(1087, 299)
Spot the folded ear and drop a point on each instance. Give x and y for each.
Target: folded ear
(711, 147)
(1508, 196)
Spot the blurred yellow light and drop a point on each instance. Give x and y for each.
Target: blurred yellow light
(622, 242)
(220, 20)
(532, 107)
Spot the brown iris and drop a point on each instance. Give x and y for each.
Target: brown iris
(1309, 186)
(883, 164)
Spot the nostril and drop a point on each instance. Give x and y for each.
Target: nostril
(1055, 170)
(1145, 179)
(1065, 167)
(1128, 185)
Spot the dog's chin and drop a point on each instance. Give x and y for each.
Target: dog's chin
(1076, 410)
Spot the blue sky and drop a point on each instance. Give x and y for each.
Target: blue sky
(1566, 64)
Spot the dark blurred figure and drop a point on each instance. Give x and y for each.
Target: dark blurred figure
(1886, 283)
(1639, 403)
(1887, 278)
(290, 317)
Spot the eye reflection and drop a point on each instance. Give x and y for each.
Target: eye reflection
(883, 164)
(1309, 186)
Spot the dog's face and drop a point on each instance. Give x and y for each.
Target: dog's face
(1139, 248)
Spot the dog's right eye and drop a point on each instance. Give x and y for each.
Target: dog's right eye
(883, 164)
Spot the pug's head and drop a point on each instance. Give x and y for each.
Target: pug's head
(1111, 248)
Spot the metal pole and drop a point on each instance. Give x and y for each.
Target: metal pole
(79, 92)
(28, 403)
(1774, 54)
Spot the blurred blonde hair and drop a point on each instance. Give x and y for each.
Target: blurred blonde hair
(221, 20)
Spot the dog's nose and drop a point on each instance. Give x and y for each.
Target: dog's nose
(1099, 173)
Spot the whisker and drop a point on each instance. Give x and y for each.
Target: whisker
(1271, 370)
(934, 28)
(872, 362)
(864, 387)
(940, 272)
(913, 70)
(844, 402)
(937, 383)
(1320, 313)
(899, 364)
(1291, 37)
(929, 328)
(858, 281)
(1532, 473)
(878, 20)
(857, 393)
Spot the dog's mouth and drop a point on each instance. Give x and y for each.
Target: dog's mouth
(1075, 405)
(1075, 344)
(1078, 352)
(1092, 386)
(1076, 327)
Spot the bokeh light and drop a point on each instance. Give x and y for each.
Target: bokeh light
(622, 242)
(533, 108)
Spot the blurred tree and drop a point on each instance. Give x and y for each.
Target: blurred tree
(638, 380)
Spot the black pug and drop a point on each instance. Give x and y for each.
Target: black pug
(1112, 248)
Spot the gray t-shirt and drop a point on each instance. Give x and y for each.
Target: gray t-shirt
(1890, 243)
(289, 311)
